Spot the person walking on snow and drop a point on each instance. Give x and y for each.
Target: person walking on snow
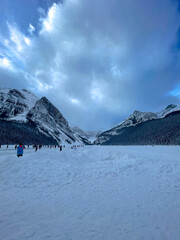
(60, 148)
(20, 150)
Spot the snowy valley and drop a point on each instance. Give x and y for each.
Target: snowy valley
(24, 117)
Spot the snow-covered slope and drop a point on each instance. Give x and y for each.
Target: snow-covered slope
(90, 135)
(169, 109)
(80, 132)
(50, 121)
(134, 119)
(15, 104)
(82, 139)
(23, 106)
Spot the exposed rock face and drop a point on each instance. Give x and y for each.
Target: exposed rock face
(15, 104)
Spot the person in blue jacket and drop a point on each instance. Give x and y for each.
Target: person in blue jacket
(20, 150)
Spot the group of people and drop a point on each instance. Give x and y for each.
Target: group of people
(21, 147)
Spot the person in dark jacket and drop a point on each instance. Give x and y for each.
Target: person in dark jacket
(36, 147)
(20, 150)
(60, 148)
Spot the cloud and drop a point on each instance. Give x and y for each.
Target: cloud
(98, 62)
(5, 63)
(31, 29)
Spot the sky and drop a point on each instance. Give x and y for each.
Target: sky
(96, 61)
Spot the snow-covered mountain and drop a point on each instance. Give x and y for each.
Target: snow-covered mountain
(135, 119)
(169, 109)
(25, 108)
(80, 132)
(90, 135)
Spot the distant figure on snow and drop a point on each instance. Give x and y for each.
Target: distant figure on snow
(60, 148)
(74, 147)
(20, 150)
(36, 147)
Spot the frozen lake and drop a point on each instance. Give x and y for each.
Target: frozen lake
(92, 193)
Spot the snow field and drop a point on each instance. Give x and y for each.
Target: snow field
(92, 193)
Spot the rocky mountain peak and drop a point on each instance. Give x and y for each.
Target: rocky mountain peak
(45, 111)
(170, 106)
(136, 112)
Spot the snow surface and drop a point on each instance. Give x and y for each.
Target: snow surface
(91, 193)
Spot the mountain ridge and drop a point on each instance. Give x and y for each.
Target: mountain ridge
(23, 107)
(134, 120)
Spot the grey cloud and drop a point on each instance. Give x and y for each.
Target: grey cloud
(112, 56)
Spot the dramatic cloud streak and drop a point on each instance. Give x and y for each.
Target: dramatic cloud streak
(98, 62)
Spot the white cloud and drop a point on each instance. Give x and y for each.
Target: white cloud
(96, 92)
(16, 37)
(74, 101)
(31, 29)
(41, 86)
(49, 22)
(5, 63)
(17, 42)
(27, 40)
